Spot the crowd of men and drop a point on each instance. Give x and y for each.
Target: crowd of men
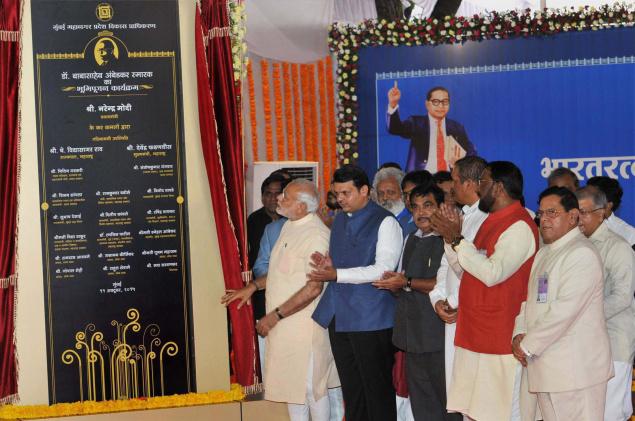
(444, 288)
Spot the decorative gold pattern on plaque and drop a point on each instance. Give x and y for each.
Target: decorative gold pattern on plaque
(147, 54)
(130, 367)
(104, 12)
(60, 56)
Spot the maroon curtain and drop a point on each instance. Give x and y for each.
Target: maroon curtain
(223, 151)
(9, 77)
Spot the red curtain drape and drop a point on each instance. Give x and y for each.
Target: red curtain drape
(9, 77)
(219, 115)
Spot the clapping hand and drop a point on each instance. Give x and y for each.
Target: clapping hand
(323, 270)
(447, 222)
(392, 281)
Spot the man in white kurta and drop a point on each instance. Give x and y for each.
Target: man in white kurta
(618, 260)
(298, 363)
(560, 333)
(445, 295)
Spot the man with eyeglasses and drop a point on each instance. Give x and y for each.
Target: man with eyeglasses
(485, 381)
(619, 307)
(560, 333)
(613, 192)
(436, 142)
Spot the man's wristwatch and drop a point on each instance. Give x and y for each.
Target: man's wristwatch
(408, 286)
(280, 316)
(456, 241)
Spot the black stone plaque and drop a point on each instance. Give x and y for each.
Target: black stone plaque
(112, 189)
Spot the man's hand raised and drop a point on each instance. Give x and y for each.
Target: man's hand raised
(394, 95)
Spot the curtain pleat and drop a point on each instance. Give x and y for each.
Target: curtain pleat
(9, 82)
(223, 152)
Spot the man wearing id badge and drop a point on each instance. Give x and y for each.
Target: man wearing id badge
(543, 287)
(560, 334)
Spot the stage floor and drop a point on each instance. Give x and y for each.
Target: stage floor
(250, 410)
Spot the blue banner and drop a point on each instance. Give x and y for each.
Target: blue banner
(542, 103)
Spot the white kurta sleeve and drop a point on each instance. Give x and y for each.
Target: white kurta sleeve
(620, 280)
(513, 248)
(387, 253)
(519, 325)
(439, 292)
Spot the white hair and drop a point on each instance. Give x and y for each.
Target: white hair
(308, 194)
(385, 174)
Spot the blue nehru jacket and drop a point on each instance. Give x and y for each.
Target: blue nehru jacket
(356, 307)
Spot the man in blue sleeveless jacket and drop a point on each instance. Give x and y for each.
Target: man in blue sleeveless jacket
(366, 241)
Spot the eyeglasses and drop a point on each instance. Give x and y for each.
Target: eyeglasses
(437, 102)
(480, 180)
(548, 213)
(589, 212)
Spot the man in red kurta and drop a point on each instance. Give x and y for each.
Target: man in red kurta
(486, 378)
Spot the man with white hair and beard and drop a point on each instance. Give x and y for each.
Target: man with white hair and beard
(299, 363)
(388, 194)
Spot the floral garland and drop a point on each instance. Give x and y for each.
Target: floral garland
(324, 128)
(91, 407)
(277, 110)
(345, 41)
(266, 102)
(313, 149)
(330, 93)
(288, 111)
(297, 110)
(307, 98)
(237, 36)
(253, 123)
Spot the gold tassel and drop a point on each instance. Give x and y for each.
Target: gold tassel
(10, 36)
(8, 281)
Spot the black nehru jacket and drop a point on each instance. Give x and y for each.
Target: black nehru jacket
(417, 328)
